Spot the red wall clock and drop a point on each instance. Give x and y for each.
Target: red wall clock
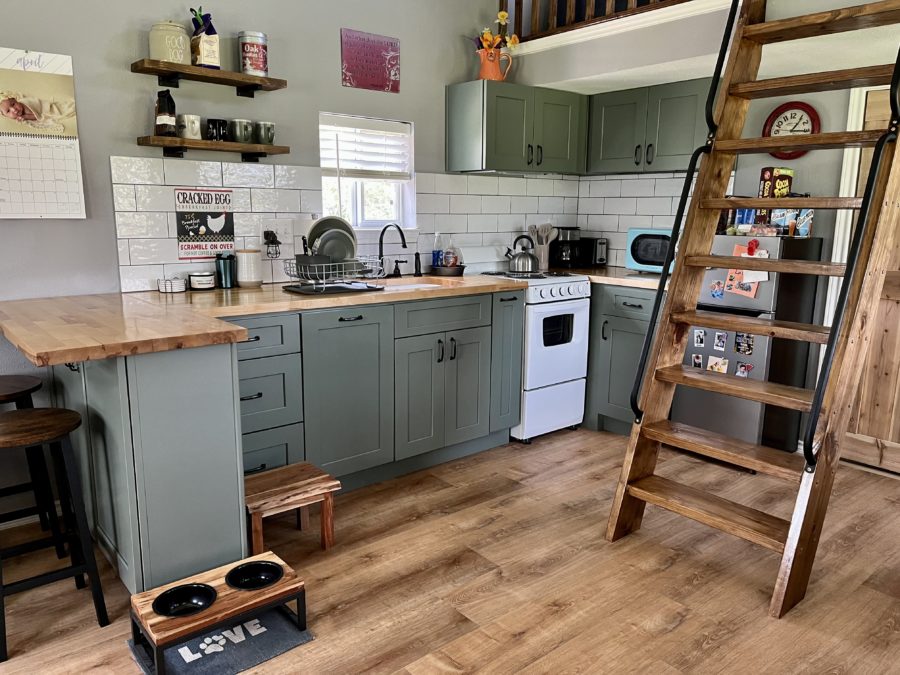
(792, 119)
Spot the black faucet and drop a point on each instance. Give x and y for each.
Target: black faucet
(381, 245)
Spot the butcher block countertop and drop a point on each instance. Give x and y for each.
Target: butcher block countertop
(619, 276)
(71, 329)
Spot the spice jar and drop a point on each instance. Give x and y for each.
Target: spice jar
(169, 41)
(254, 53)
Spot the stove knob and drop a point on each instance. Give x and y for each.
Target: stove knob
(553, 291)
(571, 290)
(543, 293)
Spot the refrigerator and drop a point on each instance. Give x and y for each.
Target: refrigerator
(787, 297)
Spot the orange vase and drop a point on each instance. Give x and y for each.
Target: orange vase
(490, 64)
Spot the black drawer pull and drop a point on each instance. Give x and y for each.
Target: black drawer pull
(508, 299)
(631, 305)
(452, 349)
(261, 467)
(440, 351)
(650, 154)
(252, 397)
(603, 330)
(255, 338)
(638, 154)
(351, 318)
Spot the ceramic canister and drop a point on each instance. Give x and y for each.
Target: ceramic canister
(249, 268)
(169, 41)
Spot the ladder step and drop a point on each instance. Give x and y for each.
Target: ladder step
(870, 76)
(771, 393)
(741, 521)
(788, 330)
(760, 458)
(829, 141)
(870, 15)
(767, 265)
(782, 203)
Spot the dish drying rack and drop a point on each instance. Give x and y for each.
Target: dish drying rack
(333, 277)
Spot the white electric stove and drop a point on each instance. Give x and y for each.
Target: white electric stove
(557, 313)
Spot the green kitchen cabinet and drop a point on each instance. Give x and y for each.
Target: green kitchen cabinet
(648, 129)
(348, 388)
(507, 344)
(443, 388)
(501, 126)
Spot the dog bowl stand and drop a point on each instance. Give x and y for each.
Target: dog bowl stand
(154, 632)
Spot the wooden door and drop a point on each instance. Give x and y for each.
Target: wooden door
(873, 436)
(559, 130)
(468, 385)
(509, 127)
(618, 126)
(419, 387)
(676, 124)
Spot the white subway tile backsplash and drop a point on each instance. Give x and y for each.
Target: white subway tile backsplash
(565, 188)
(616, 239)
(240, 199)
(298, 177)
(424, 182)
(523, 205)
(124, 258)
(626, 206)
(606, 188)
(551, 205)
(425, 222)
(642, 187)
(570, 205)
(663, 222)
(247, 225)
(668, 187)
(311, 201)
(183, 269)
(538, 187)
(654, 206)
(450, 223)
(482, 223)
(266, 200)
(123, 198)
(248, 175)
(451, 184)
(465, 204)
(136, 170)
(154, 198)
(590, 205)
(189, 172)
(512, 222)
(584, 189)
(152, 251)
(499, 204)
(140, 277)
(468, 239)
(433, 203)
(603, 222)
(144, 225)
(514, 187)
(483, 185)
(627, 222)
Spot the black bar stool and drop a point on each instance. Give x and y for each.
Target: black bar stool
(17, 390)
(36, 427)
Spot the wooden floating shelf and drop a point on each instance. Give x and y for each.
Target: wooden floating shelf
(174, 146)
(171, 74)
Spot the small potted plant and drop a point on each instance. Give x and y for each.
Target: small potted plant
(488, 46)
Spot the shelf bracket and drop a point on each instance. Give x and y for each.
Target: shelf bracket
(171, 80)
(247, 90)
(252, 156)
(176, 153)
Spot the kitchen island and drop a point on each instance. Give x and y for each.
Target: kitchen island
(179, 403)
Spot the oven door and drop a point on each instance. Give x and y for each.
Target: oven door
(556, 342)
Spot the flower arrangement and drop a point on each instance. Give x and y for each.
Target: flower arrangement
(489, 40)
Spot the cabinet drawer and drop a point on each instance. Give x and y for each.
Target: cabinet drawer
(269, 336)
(271, 392)
(270, 449)
(437, 316)
(627, 303)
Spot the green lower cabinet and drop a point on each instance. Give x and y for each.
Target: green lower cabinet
(273, 448)
(468, 385)
(507, 344)
(419, 386)
(615, 352)
(348, 388)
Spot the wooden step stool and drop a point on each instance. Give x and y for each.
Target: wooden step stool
(154, 632)
(287, 488)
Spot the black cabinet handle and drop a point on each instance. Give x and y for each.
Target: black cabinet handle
(73, 367)
(452, 349)
(650, 154)
(255, 338)
(540, 157)
(351, 318)
(252, 397)
(603, 330)
(638, 154)
(530, 154)
(513, 299)
(631, 305)
(440, 351)
(261, 467)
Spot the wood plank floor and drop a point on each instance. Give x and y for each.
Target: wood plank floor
(497, 563)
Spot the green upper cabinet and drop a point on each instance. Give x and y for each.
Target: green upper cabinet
(618, 131)
(501, 126)
(648, 129)
(507, 342)
(676, 124)
(348, 388)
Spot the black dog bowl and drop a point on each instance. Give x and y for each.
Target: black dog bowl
(184, 600)
(252, 576)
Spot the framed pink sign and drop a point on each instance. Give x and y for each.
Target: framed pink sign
(370, 61)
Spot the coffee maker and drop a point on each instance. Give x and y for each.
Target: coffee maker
(564, 249)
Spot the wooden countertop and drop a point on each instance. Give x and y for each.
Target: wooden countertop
(619, 276)
(71, 329)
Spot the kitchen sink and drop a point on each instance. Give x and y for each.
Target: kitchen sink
(412, 287)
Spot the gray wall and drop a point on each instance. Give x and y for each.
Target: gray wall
(45, 258)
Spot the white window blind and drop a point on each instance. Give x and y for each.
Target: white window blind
(364, 148)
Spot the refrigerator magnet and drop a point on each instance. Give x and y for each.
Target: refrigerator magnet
(699, 338)
(717, 364)
(743, 344)
(697, 360)
(743, 369)
(717, 290)
(720, 341)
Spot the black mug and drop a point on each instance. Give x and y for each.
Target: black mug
(216, 129)
(226, 270)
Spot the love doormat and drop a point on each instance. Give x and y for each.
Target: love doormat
(231, 650)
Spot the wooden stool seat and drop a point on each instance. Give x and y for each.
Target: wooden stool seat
(35, 426)
(289, 488)
(16, 387)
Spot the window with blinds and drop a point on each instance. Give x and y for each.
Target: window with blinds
(367, 169)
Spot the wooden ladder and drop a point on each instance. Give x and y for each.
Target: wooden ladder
(875, 249)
